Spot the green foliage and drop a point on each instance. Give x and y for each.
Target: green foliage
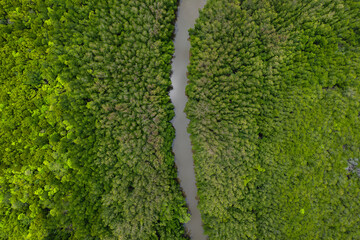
(273, 105)
(85, 132)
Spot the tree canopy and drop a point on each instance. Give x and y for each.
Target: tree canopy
(274, 118)
(85, 132)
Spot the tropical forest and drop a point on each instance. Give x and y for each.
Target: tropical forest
(105, 136)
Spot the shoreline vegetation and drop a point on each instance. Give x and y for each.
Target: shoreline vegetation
(188, 12)
(274, 99)
(85, 133)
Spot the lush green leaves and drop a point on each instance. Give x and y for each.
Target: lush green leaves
(273, 105)
(85, 131)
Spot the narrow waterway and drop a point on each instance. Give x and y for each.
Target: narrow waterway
(188, 12)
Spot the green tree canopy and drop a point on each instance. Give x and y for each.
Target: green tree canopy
(274, 118)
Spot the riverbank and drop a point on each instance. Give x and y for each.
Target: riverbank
(188, 12)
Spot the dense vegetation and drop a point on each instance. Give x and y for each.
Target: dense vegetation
(274, 99)
(85, 132)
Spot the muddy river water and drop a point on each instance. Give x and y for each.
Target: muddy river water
(188, 12)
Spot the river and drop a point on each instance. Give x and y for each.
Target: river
(188, 12)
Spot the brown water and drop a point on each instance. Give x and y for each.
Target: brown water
(188, 12)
